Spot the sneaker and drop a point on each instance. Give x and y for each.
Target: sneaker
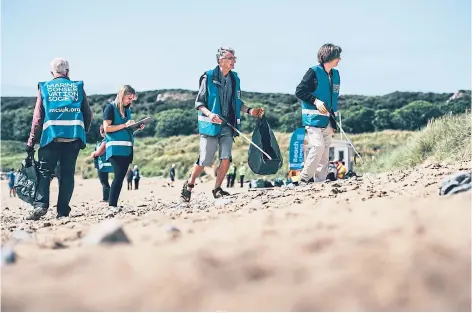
(304, 183)
(36, 213)
(112, 211)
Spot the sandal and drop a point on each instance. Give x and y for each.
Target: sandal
(186, 194)
(218, 193)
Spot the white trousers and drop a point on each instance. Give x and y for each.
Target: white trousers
(317, 159)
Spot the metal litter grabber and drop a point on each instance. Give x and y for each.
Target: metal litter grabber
(249, 140)
(347, 138)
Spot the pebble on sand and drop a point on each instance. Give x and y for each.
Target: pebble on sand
(108, 232)
(8, 255)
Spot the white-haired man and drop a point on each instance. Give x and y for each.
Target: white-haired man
(61, 118)
(218, 99)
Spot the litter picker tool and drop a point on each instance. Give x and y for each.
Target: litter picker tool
(347, 138)
(249, 140)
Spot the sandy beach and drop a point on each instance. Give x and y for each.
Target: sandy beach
(387, 243)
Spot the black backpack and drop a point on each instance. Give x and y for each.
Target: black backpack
(263, 137)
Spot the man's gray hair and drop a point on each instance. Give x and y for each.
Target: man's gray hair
(328, 52)
(59, 66)
(222, 51)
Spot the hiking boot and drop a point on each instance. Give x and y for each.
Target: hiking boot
(186, 194)
(218, 193)
(36, 213)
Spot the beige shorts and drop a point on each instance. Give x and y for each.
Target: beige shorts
(209, 144)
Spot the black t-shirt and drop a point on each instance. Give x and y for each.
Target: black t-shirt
(109, 112)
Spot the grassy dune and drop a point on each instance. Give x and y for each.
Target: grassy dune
(447, 138)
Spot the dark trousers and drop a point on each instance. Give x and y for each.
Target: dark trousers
(136, 184)
(130, 184)
(66, 153)
(233, 177)
(120, 168)
(103, 176)
(241, 180)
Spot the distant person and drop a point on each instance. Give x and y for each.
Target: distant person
(119, 140)
(61, 119)
(318, 92)
(233, 175)
(332, 171)
(341, 169)
(103, 167)
(229, 176)
(129, 178)
(11, 182)
(136, 177)
(219, 96)
(242, 173)
(172, 175)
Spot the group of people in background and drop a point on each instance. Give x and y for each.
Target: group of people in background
(133, 175)
(62, 117)
(336, 170)
(233, 172)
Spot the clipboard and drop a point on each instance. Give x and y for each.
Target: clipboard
(138, 124)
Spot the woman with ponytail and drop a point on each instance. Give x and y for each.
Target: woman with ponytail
(119, 140)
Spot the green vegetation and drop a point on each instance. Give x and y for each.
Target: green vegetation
(154, 156)
(447, 138)
(175, 114)
(376, 124)
(444, 138)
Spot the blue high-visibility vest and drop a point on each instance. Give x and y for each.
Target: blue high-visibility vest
(62, 100)
(205, 126)
(121, 142)
(310, 114)
(103, 165)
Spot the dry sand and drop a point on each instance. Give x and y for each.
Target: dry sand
(393, 244)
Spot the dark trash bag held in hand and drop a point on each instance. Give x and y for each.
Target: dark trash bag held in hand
(265, 139)
(26, 182)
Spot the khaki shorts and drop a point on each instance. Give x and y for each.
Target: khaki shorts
(209, 144)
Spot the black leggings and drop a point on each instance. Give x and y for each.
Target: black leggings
(120, 167)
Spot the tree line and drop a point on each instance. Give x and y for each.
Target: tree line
(175, 114)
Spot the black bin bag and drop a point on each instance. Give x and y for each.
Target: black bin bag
(264, 138)
(26, 182)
